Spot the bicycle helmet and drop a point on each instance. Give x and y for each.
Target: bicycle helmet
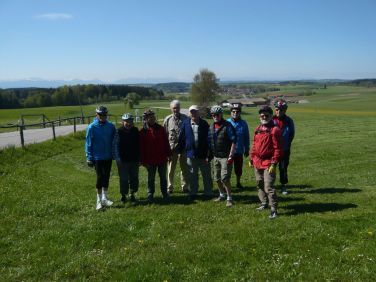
(266, 109)
(101, 110)
(148, 113)
(280, 104)
(216, 110)
(236, 106)
(127, 116)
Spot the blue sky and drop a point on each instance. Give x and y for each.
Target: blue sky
(171, 40)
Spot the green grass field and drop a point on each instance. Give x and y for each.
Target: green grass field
(326, 229)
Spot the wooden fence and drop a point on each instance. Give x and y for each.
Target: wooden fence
(52, 123)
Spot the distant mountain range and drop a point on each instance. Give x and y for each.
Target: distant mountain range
(160, 84)
(43, 83)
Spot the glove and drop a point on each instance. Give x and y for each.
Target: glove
(272, 168)
(90, 163)
(230, 161)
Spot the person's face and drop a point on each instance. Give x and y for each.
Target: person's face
(102, 117)
(235, 114)
(194, 114)
(217, 117)
(128, 123)
(280, 112)
(175, 109)
(150, 120)
(265, 117)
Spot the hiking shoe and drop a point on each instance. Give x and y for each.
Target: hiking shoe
(99, 206)
(123, 199)
(229, 203)
(186, 191)
(273, 214)
(170, 190)
(261, 207)
(107, 203)
(150, 199)
(284, 190)
(192, 197)
(132, 198)
(239, 186)
(219, 199)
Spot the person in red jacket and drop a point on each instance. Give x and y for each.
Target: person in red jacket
(155, 152)
(266, 152)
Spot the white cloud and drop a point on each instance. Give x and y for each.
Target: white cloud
(54, 16)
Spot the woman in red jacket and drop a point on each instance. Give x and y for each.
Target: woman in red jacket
(266, 152)
(155, 152)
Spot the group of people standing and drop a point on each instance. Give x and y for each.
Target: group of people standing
(196, 146)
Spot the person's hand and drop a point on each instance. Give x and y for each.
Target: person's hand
(230, 160)
(250, 163)
(169, 159)
(90, 163)
(272, 169)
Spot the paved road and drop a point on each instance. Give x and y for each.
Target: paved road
(39, 135)
(35, 135)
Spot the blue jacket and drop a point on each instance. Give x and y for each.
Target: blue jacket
(187, 140)
(242, 134)
(100, 141)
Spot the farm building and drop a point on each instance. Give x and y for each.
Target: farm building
(245, 102)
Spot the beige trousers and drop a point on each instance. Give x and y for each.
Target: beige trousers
(265, 185)
(184, 175)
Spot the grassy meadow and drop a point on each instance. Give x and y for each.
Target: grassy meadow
(325, 231)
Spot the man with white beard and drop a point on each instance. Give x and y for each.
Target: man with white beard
(267, 150)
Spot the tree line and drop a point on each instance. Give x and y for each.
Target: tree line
(72, 95)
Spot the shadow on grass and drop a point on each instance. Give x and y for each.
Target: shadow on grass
(246, 199)
(331, 190)
(301, 186)
(317, 207)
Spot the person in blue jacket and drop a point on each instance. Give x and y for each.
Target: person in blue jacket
(193, 139)
(242, 145)
(99, 148)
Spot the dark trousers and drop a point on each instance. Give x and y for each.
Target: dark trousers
(103, 170)
(283, 164)
(238, 164)
(162, 171)
(128, 174)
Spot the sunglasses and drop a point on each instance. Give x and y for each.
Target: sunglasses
(102, 115)
(234, 111)
(264, 116)
(215, 115)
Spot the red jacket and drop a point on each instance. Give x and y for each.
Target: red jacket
(154, 146)
(267, 146)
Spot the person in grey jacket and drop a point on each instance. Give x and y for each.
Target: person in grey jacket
(172, 125)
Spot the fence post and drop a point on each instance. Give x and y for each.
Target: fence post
(74, 125)
(22, 136)
(44, 121)
(59, 121)
(53, 129)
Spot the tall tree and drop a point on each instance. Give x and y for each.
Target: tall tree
(204, 87)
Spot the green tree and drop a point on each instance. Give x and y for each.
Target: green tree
(204, 87)
(131, 99)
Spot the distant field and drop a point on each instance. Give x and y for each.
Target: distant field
(326, 229)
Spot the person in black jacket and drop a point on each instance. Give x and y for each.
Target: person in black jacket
(193, 139)
(127, 155)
